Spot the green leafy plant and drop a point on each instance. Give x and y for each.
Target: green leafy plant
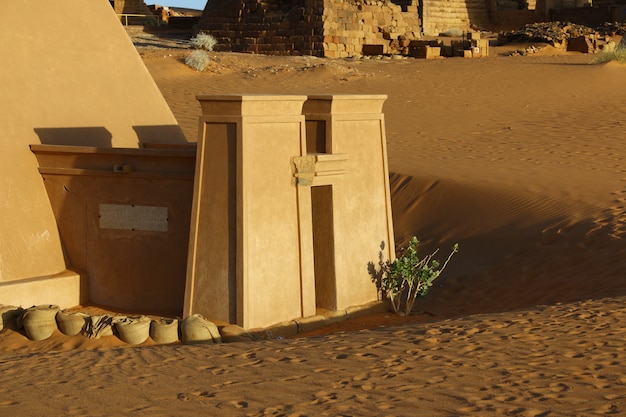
(203, 41)
(409, 277)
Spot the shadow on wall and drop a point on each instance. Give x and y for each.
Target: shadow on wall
(158, 134)
(403, 3)
(125, 230)
(98, 137)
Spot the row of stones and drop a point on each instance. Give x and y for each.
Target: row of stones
(234, 333)
(40, 322)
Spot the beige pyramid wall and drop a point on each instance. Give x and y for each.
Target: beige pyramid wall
(69, 76)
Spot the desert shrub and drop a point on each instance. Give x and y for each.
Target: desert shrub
(203, 41)
(454, 32)
(619, 55)
(197, 60)
(409, 277)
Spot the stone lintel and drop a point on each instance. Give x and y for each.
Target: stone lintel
(335, 104)
(328, 164)
(251, 105)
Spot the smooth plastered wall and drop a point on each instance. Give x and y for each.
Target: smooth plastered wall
(70, 76)
(279, 228)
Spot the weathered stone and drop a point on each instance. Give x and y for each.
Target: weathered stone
(234, 333)
(344, 26)
(307, 324)
(196, 329)
(572, 36)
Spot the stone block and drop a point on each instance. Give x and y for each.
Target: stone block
(473, 36)
(372, 49)
(234, 333)
(425, 52)
(366, 309)
(334, 316)
(307, 324)
(282, 330)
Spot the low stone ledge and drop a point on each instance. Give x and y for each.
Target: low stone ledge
(282, 330)
(307, 324)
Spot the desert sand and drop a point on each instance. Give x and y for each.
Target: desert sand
(521, 160)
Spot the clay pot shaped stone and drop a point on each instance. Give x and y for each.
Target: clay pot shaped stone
(39, 321)
(133, 330)
(164, 331)
(71, 323)
(195, 329)
(9, 315)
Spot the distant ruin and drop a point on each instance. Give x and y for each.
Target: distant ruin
(308, 27)
(336, 28)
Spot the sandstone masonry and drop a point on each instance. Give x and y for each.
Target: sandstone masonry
(443, 15)
(325, 28)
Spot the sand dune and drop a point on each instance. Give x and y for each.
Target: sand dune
(560, 360)
(518, 159)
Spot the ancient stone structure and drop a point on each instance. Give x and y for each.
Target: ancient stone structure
(570, 36)
(291, 203)
(440, 16)
(130, 7)
(57, 91)
(330, 28)
(338, 28)
(103, 201)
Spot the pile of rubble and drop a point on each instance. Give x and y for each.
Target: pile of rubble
(567, 35)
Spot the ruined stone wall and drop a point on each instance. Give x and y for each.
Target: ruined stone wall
(131, 7)
(329, 28)
(348, 25)
(442, 15)
(263, 27)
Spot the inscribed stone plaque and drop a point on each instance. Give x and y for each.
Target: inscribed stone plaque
(132, 217)
(305, 169)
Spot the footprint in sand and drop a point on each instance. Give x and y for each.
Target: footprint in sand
(224, 384)
(215, 370)
(361, 377)
(256, 363)
(323, 370)
(385, 406)
(239, 404)
(341, 384)
(274, 411)
(293, 377)
(288, 359)
(322, 397)
(367, 355)
(248, 355)
(196, 395)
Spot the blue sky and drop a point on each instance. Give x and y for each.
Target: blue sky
(187, 4)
